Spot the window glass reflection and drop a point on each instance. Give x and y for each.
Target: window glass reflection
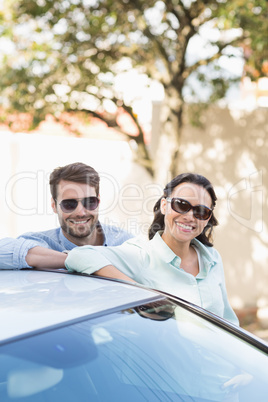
(154, 352)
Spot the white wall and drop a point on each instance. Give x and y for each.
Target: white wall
(28, 159)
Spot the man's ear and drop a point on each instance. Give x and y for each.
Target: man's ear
(53, 205)
(163, 206)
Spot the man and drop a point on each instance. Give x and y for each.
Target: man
(75, 199)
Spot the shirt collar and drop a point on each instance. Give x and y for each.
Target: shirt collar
(168, 255)
(205, 252)
(160, 247)
(67, 244)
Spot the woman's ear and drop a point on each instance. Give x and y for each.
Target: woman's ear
(163, 206)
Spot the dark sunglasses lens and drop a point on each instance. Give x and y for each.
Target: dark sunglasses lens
(201, 212)
(180, 206)
(91, 203)
(68, 205)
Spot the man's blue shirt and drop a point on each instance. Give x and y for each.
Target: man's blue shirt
(14, 251)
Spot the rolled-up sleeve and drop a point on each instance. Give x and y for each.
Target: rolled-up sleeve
(86, 259)
(13, 252)
(126, 258)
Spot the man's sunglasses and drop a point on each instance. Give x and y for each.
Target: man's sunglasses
(70, 205)
(182, 207)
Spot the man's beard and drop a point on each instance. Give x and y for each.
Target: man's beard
(75, 232)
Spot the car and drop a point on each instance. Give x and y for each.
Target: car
(73, 337)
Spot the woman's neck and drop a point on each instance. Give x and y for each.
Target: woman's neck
(187, 254)
(181, 249)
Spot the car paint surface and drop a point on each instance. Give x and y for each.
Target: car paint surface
(71, 337)
(31, 300)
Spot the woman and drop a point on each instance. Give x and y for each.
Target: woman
(179, 258)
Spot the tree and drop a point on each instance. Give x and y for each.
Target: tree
(67, 54)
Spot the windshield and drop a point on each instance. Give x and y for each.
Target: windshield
(154, 352)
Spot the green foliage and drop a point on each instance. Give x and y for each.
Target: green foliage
(67, 53)
(252, 17)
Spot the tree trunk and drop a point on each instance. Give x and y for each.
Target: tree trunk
(168, 154)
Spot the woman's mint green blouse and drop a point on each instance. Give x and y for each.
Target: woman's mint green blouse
(155, 265)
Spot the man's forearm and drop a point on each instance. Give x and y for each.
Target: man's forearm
(41, 257)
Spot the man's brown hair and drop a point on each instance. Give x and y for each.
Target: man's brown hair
(77, 172)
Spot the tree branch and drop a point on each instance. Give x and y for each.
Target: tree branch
(205, 62)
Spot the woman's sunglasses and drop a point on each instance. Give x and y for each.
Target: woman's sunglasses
(182, 207)
(70, 205)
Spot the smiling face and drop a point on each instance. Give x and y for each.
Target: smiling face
(182, 228)
(78, 226)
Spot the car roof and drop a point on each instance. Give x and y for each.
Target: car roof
(32, 301)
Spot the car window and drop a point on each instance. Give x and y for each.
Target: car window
(154, 352)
